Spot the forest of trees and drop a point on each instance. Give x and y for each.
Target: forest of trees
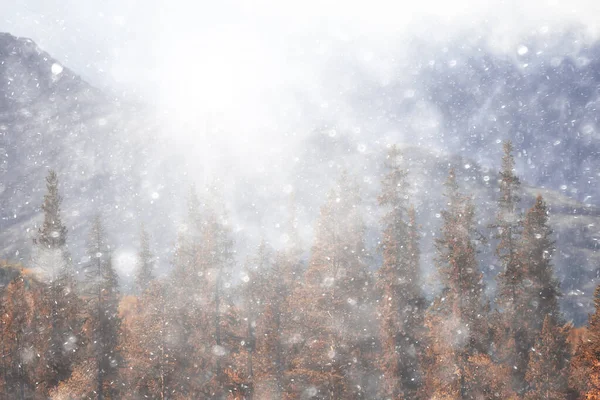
(333, 326)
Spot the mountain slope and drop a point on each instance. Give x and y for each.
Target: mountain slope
(51, 118)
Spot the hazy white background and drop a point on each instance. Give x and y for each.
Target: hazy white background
(235, 51)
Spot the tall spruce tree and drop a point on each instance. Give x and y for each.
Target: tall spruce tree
(535, 252)
(52, 234)
(290, 260)
(184, 301)
(456, 357)
(585, 365)
(266, 289)
(548, 370)
(512, 344)
(145, 262)
(508, 226)
(255, 294)
(4, 348)
(271, 288)
(186, 304)
(186, 269)
(63, 305)
(150, 340)
(268, 367)
(19, 352)
(258, 291)
(223, 327)
(401, 303)
(200, 295)
(103, 323)
(528, 295)
(334, 315)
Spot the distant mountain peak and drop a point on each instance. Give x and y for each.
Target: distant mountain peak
(27, 73)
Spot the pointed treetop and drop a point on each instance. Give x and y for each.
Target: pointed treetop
(536, 221)
(97, 244)
(260, 261)
(294, 242)
(547, 373)
(394, 184)
(52, 234)
(193, 200)
(509, 182)
(536, 250)
(508, 162)
(346, 188)
(451, 184)
(145, 262)
(597, 298)
(393, 156)
(194, 209)
(412, 218)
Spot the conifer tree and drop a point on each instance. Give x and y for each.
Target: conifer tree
(186, 269)
(149, 347)
(185, 303)
(269, 363)
(52, 234)
(508, 225)
(288, 272)
(266, 304)
(333, 324)
(255, 293)
(105, 320)
(222, 324)
(96, 376)
(457, 319)
(290, 259)
(51, 257)
(547, 373)
(200, 295)
(185, 283)
(19, 354)
(512, 345)
(401, 304)
(541, 289)
(535, 252)
(4, 348)
(145, 262)
(271, 281)
(585, 365)
(284, 278)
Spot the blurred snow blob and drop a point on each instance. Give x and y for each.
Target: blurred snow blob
(56, 69)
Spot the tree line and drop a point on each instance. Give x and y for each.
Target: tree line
(332, 327)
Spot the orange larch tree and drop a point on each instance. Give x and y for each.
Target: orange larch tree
(548, 369)
(585, 365)
(511, 339)
(401, 302)
(457, 363)
(332, 332)
(51, 258)
(148, 348)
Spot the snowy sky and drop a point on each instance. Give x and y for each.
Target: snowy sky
(244, 63)
(240, 47)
